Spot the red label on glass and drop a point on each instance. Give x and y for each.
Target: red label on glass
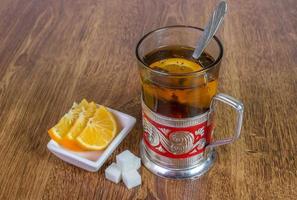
(176, 142)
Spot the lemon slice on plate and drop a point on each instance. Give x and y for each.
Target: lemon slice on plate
(68, 140)
(99, 131)
(64, 125)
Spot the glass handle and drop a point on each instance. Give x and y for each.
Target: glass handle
(238, 106)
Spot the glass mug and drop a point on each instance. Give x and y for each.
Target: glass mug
(178, 108)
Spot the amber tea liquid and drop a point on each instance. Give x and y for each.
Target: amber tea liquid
(185, 94)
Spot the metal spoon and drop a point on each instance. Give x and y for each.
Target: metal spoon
(211, 28)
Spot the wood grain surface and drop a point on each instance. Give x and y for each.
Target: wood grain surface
(55, 52)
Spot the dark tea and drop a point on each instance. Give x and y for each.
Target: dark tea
(186, 93)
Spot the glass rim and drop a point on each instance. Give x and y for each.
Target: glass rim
(217, 60)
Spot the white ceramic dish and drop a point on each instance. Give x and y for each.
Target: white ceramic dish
(93, 160)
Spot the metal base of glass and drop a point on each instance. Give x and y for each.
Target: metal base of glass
(193, 172)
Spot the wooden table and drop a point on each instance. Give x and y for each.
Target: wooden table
(53, 53)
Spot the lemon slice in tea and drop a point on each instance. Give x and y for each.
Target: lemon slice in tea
(176, 66)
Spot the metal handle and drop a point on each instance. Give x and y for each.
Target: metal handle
(238, 106)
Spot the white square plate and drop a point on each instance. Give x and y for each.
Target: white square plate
(93, 160)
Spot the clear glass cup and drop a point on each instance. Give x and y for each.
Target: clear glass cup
(178, 108)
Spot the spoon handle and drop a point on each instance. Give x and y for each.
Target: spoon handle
(210, 29)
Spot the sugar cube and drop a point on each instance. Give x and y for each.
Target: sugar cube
(128, 161)
(113, 173)
(131, 178)
(137, 163)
